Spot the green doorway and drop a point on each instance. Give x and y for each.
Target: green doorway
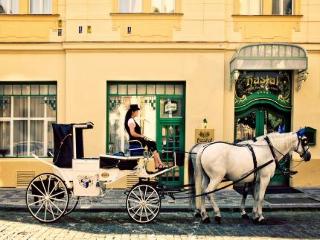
(263, 105)
(260, 120)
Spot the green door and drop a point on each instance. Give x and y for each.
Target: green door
(261, 120)
(170, 135)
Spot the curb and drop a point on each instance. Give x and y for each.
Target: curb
(178, 209)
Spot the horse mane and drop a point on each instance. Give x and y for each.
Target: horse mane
(284, 139)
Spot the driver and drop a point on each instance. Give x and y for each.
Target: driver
(134, 131)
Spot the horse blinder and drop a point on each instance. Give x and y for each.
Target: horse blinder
(306, 155)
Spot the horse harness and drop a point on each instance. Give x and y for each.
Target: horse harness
(254, 158)
(255, 164)
(276, 160)
(273, 153)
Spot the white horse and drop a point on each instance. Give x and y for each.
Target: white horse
(217, 160)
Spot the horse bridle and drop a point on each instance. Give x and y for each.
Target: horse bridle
(301, 140)
(304, 142)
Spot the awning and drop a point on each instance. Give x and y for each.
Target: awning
(274, 56)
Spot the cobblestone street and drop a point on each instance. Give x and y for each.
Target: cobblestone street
(175, 225)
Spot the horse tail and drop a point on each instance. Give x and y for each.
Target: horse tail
(199, 174)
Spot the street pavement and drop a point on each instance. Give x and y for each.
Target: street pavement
(168, 226)
(114, 200)
(288, 216)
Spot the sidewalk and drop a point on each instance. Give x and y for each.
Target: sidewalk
(115, 200)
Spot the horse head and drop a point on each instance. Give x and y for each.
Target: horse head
(302, 146)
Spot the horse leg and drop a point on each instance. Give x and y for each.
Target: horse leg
(198, 200)
(211, 187)
(264, 181)
(203, 212)
(244, 214)
(255, 194)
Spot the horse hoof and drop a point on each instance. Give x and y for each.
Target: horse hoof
(197, 214)
(245, 216)
(259, 221)
(255, 220)
(262, 221)
(217, 219)
(206, 220)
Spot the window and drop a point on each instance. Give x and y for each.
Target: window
(163, 6)
(121, 95)
(27, 112)
(40, 6)
(9, 6)
(282, 7)
(250, 7)
(130, 6)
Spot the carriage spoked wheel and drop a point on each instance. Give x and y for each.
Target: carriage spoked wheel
(72, 204)
(143, 203)
(47, 197)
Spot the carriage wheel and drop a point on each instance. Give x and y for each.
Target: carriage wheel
(143, 203)
(47, 197)
(73, 203)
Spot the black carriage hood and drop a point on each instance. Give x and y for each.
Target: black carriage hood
(63, 145)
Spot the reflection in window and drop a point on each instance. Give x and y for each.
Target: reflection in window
(118, 106)
(246, 127)
(26, 116)
(130, 6)
(41, 6)
(250, 7)
(9, 6)
(163, 6)
(282, 7)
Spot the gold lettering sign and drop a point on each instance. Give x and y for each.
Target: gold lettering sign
(204, 135)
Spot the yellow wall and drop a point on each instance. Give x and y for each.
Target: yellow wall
(195, 45)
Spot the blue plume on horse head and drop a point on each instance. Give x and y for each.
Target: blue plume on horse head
(301, 132)
(281, 128)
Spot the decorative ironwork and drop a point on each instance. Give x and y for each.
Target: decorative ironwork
(51, 101)
(3, 103)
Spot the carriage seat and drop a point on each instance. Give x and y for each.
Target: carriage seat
(118, 161)
(135, 148)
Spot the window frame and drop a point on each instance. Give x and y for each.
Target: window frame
(162, 6)
(45, 119)
(130, 7)
(10, 5)
(41, 7)
(250, 14)
(281, 8)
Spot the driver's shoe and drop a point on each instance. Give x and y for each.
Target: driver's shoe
(289, 172)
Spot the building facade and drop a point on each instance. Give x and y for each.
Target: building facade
(247, 67)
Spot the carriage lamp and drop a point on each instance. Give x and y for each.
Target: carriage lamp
(302, 77)
(235, 75)
(205, 123)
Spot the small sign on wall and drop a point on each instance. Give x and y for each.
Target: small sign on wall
(204, 135)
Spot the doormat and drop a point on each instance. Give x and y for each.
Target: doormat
(291, 200)
(272, 190)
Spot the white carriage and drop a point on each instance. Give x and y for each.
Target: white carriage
(52, 195)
